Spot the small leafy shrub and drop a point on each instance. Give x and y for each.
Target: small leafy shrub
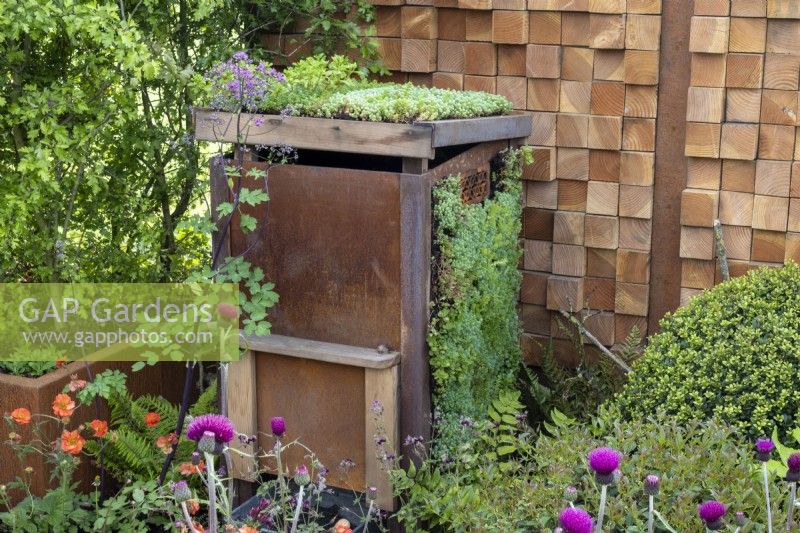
(474, 333)
(732, 353)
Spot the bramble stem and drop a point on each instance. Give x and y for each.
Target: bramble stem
(601, 513)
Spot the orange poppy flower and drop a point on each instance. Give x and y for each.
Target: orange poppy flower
(63, 405)
(247, 529)
(152, 419)
(192, 506)
(72, 442)
(166, 442)
(187, 469)
(21, 416)
(100, 428)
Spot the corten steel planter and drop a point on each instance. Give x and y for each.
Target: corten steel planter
(347, 241)
(37, 395)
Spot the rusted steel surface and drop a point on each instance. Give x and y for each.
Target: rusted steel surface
(330, 241)
(323, 404)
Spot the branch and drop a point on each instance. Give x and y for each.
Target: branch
(588, 334)
(722, 254)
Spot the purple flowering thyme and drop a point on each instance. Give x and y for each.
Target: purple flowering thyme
(240, 84)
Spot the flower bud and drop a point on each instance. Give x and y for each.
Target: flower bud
(207, 443)
(278, 426)
(301, 476)
(652, 484)
(195, 458)
(372, 493)
(571, 494)
(181, 491)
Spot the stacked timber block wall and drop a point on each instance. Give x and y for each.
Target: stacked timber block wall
(587, 70)
(741, 143)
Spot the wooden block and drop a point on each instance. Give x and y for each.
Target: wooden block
(480, 59)
(419, 22)
(514, 88)
(794, 191)
(699, 207)
(452, 24)
(748, 35)
(450, 4)
(607, 31)
(575, 96)
(749, 8)
(739, 141)
(604, 165)
(642, 32)
(738, 175)
(641, 101)
(478, 25)
(738, 240)
(770, 213)
(538, 255)
(635, 233)
(743, 105)
(779, 107)
(418, 55)
(421, 79)
(687, 295)
(712, 8)
(633, 266)
(639, 134)
(543, 61)
(542, 194)
(601, 231)
(448, 80)
(450, 56)
(606, 6)
(623, 324)
(697, 274)
(792, 246)
(487, 84)
(781, 71)
(794, 215)
(535, 318)
(511, 60)
(783, 36)
(709, 35)
(705, 104)
(575, 28)
(609, 65)
(631, 299)
(569, 260)
(572, 195)
(572, 131)
(646, 7)
(545, 27)
(387, 21)
(543, 94)
(475, 4)
(564, 293)
(637, 168)
(544, 126)
(599, 293)
(783, 9)
(534, 288)
(697, 243)
(577, 63)
(768, 246)
(641, 67)
(573, 164)
(708, 70)
(602, 327)
(390, 51)
(602, 198)
(568, 227)
(744, 70)
(605, 133)
(635, 201)
(601, 263)
(773, 178)
(702, 173)
(543, 167)
(537, 224)
(608, 98)
(702, 139)
(776, 142)
(736, 208)
(510, 27)
(516, 5)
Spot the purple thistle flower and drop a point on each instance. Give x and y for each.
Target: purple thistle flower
(219, 425)
(181, 491)
(278, 426)
(764, 447)
(711, 513)
(575, 520)
(571, 494)
(793, 473)
(603, 461)
(652, 484)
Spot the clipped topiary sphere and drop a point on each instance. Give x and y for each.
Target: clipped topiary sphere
(732, 353)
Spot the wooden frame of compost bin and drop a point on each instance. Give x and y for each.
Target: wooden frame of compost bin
(370, 338)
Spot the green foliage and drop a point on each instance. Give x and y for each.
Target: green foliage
(732, 353)
(780, 466)
(104, 385)
(130, 452)
(474, 333)
(30, 369)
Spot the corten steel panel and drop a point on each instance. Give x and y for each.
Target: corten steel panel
(331, 245)
(323, 405)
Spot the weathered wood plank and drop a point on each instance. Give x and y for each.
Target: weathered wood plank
(473, 130)
(242, 410)
(321, 351)
(383, 386)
